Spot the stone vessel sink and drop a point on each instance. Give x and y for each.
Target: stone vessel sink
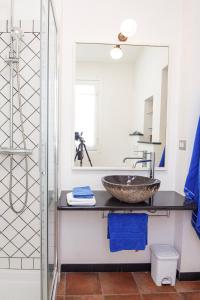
(131, 189)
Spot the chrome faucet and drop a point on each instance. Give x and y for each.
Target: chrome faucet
(151, 161)
(136, 157)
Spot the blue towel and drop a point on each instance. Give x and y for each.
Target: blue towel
(192, 184)
(162, 161)
(82, 192)
(127, 231)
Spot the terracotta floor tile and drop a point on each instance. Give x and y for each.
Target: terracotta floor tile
(73, 298)
(163, 296)
(61, 285)
(123, 297)
(87, 297)
(146, 285)
(117, 283)
(187, 286)
(82, 284)
(191, 296)
(90, 297)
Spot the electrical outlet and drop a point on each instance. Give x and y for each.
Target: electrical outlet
(182, 145)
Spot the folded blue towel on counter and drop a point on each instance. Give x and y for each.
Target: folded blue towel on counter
(192, 184)
(127, 231)
(82, 192)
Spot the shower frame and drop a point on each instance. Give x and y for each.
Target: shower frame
(47, 292)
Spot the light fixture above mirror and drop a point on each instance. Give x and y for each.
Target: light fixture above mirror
(116, 52)
(127, 29)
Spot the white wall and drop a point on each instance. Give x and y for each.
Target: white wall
(189, 104)
(99, 21)
(147, 83)
(83, 236)
(23, 9)
(28, 10)
(189, 111)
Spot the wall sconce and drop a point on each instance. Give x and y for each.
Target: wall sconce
(127, 29)
(116, 52)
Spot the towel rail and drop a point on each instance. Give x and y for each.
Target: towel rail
(152, 213)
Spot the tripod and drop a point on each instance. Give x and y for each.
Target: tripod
(80, 152)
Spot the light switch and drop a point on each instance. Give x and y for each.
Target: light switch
(182, 145)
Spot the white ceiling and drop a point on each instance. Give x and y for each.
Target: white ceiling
(101, 53)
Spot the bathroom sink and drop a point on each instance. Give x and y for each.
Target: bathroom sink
(131, 189)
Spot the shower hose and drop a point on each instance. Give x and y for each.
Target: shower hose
(24, 146)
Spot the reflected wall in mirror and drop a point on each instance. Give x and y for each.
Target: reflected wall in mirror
(120, 105)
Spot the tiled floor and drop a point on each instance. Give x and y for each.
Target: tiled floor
(122, 286)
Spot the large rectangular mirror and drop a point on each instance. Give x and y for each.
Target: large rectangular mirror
(120, 105)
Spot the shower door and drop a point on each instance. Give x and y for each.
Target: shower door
(49, 105)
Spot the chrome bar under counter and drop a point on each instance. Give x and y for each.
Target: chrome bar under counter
(162, 200)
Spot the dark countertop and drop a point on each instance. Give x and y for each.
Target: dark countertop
(163, 200)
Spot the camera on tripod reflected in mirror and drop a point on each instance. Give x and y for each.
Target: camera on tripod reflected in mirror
(80, 148)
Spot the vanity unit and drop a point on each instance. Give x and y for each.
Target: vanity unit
(89, 223)
(162, 201)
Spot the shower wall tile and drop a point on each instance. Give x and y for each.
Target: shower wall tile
(3, 26)
(36, 263)
(27, 24)
(27, 263)
(20, 234)
(15, 263)
(4, 263)
(36, 26)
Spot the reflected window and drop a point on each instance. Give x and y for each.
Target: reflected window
(85, 111)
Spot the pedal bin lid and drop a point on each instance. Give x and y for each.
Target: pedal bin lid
(164, 252)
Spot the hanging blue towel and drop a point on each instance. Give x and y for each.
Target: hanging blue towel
(127, 231)
(162, 161)
(192, 184)
(82, 192)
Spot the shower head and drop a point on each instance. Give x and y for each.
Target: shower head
(17, 33)
(16, 37)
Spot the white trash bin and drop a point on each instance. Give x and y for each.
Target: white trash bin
(164, 260)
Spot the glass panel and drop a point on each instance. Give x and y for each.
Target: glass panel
(52, 145)
(43, 147)
(48, 148)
